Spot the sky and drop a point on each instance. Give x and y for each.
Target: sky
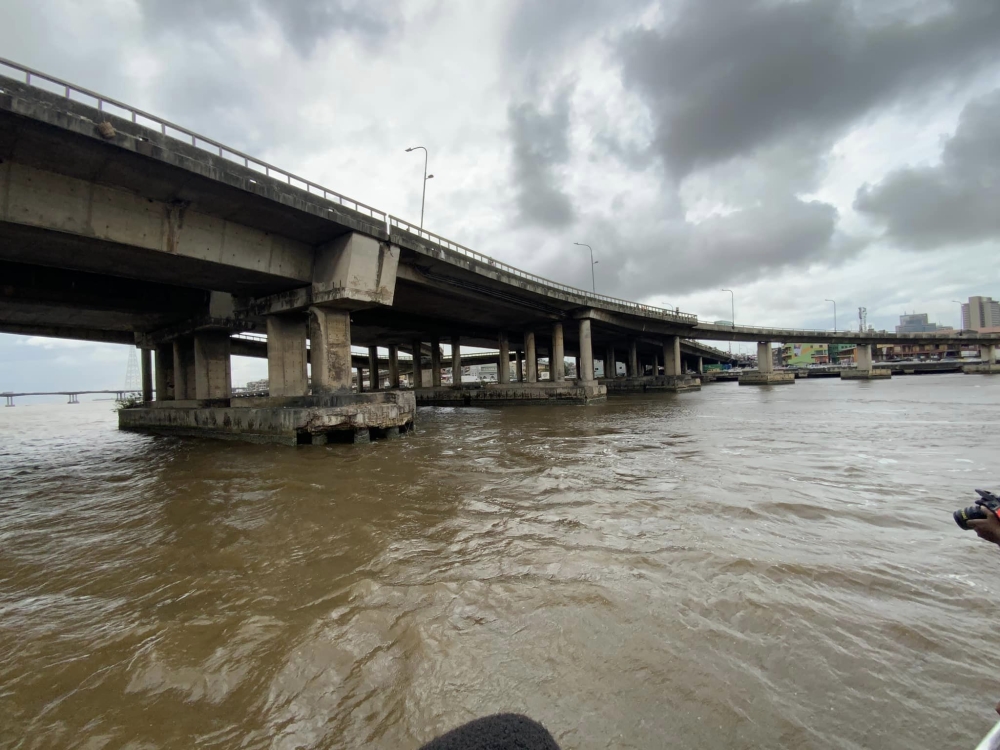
(793, 151)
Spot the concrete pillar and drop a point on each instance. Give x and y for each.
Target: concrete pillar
(184, 369)
(418, 370)
(286, 355)
(988, 353)
(212, 368)
(436, 362)
(864, 357)
(585, 372)
(633, 360)
(764, 361)
(672, 356)
(531, 356)
(165, 372)
(503, 366)
(330, 354)
(361, 380)
(700, 367)
(456, 362)
(557, 364)
(519, 356)
(146, 366)
(393, 367)
(373, 376)
(610, 363)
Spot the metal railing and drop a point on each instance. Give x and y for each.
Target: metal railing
(493, 263)
(32, 77)
(152, 122)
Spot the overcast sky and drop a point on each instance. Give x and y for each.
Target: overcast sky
(792, 151)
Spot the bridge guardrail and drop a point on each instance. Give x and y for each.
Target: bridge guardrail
(493, 262)
(197, 140)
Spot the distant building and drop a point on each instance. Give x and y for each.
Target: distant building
(841, 353)
(918, 323)
(798, 355)
(980, 313)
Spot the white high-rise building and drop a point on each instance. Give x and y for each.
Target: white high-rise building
(980, 313)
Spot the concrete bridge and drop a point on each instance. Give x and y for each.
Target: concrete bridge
(116, 225)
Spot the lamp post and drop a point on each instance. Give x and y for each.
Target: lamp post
(732, 302)
(423, 193)
(834, 313)
(592, 264)
(960, 315)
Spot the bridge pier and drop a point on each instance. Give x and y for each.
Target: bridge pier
(286, 355)
(456, 362)
(184, 369)
(418, 367)
(531, 356)
(585, 362)
(212, 366)
(146, 368)
(864, 369)
(393, 367)
(557, 358)
(765, 374)
(164, 365)
(989, 366)
(435, 362)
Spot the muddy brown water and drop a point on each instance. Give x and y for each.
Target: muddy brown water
(740, 567)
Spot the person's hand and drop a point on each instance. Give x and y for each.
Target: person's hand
(987, 528)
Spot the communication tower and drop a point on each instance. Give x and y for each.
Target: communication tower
(133, 378)
(862, 319)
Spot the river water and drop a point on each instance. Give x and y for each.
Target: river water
(740, 568)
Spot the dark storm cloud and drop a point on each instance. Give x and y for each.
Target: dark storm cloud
(955, 202)
(732, 76)
(303, 23)
(540, 144)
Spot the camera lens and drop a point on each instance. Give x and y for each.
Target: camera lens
(963, 516)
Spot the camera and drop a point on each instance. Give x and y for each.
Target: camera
(987, 503)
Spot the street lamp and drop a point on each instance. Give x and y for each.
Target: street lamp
(834, 313)
(423, 194)
(592, 263)
(960, 305)
(732, 302)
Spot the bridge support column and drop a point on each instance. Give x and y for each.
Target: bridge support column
(418, 368)
(700, 366)
(988, 353)
(373, 376)
(520, 365)
(212, 368)
(286, 355)
(672, 356)
(330, 339)
(164, 366)
(585, 370)
(503, 366)
(988, 366)
(610, 363)
(184, 389)
(456, 362)
(146, 369)
(765, 374)
(393, 367)
(436, 362)
(530, 356)
(557, 360)
(864, 369)
(633, 360)
(361, 380)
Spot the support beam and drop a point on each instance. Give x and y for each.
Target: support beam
(393, 367)
(212, 367)
(864, 357)
(286, 355)
(672, 356)
(557, 359)
(418, 368)
(373, 376)
(586, 370)
(764, 361)
(503, 366)
(164, 372)
(610, 363)
(146, 365)
(330, 355)
(184, 369)
(436, 362)
(531, 356)
(633, 360)
(456, 362)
